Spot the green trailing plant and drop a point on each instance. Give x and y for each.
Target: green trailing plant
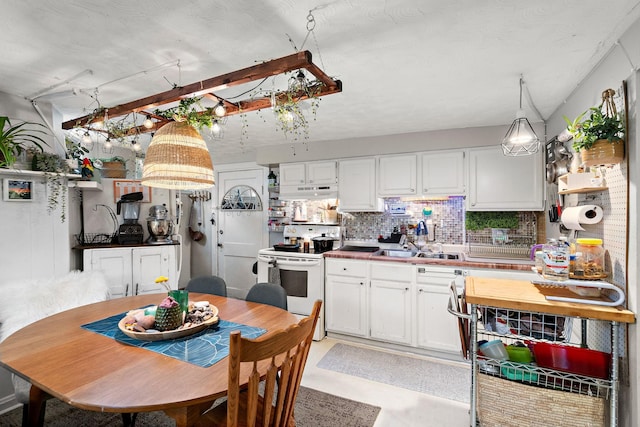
(55, 169)
(475, 221)
(16, 139)
(603, 122)
(191, 111)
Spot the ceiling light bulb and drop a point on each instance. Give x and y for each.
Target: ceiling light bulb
(148, 123)
(215, 128)
(86, 138)
(98, 124)
(220, 110)
(136, 146)
(107, 143)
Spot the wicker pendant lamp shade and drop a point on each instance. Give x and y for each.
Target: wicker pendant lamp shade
(178, 159)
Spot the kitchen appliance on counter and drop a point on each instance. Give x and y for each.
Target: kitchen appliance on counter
(300, 274)
(159, 225)
(130, 231)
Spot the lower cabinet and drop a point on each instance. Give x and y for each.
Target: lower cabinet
(436, 329)
(346, 297)
(133, 270)
(390, 313)
(392, 302)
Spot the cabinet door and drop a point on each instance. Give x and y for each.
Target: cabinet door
(321, 173)
(357, 185)
(345, 307)
(397, 175)
(443, 174)
(116, 266)
(148, 264)
(501, 183)
(437, 329)
(293, 174)
(390, 311)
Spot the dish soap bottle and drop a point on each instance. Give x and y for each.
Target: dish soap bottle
(272, 179)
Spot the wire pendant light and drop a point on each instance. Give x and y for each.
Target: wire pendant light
(521, 139)
(178, 159)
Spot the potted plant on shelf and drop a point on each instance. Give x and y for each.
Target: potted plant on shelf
(599, 138)
(15, 139)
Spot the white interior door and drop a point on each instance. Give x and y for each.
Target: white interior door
(241, 232)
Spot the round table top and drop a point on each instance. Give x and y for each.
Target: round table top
(95, 372)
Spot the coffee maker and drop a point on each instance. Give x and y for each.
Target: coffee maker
(159, 225)
(130, 231)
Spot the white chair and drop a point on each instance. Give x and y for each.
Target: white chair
(34, 299)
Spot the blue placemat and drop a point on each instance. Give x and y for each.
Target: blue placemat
(203, 349)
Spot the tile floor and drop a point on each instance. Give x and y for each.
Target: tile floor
(400, 407)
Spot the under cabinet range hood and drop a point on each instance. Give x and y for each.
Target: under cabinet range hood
(308, 192)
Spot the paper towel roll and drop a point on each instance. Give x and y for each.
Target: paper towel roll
(586, 214)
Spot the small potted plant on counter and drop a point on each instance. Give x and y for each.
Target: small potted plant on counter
(599, 138)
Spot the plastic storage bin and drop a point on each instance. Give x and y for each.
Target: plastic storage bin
(582, 361)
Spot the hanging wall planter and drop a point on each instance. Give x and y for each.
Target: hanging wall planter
(599, 138)
(603, 152)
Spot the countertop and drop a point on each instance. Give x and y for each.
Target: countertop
(526, 296)
(115, 245)
(524, 265)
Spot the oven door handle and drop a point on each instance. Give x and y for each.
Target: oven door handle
(311, 263)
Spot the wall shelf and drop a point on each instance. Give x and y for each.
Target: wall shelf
(583, 190)
(574, 183)
(86, 185)
(29, 173)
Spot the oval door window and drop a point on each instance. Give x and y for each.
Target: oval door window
(242, 197)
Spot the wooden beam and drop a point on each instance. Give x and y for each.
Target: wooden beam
(260, 71)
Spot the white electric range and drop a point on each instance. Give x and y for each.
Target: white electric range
(300, 274)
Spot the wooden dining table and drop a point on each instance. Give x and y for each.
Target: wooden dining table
(94, 372)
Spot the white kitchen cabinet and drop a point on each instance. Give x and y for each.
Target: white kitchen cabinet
(503, 183)
(397, 175)
(133, 270)
(436, 329)
(443, 173)
(357, 185)
(390, 313)
(346, 297)
(308, 173)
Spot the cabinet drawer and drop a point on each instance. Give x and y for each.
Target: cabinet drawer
(441, 276)
(346, 268)
(391, 271)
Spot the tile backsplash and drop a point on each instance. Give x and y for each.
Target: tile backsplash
(447, 215)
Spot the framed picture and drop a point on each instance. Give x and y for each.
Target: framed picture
(17, 190)
(124, 186)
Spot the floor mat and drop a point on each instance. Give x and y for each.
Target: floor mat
(425, 376)
(313, 408)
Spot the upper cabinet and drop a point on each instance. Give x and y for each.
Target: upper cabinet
(308, 173)
(397, 175)
(357, 185)
(498, 182)
(443, 173)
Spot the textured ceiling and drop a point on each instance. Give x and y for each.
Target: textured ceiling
(406, 66)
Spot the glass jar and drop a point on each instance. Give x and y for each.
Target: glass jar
(556, 261)
(539, 257)
(589, 259)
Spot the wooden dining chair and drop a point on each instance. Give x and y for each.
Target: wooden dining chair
(208, 285)
(268, 293)
(276, 362)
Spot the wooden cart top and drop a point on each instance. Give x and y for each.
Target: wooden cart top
(526, 296)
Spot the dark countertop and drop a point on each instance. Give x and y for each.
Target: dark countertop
(498, 264)
(115, 245)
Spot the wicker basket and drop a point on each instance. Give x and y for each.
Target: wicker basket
(510, 403)
(113, 170)
(603, 152)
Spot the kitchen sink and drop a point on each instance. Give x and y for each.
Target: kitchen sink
(398, 253)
